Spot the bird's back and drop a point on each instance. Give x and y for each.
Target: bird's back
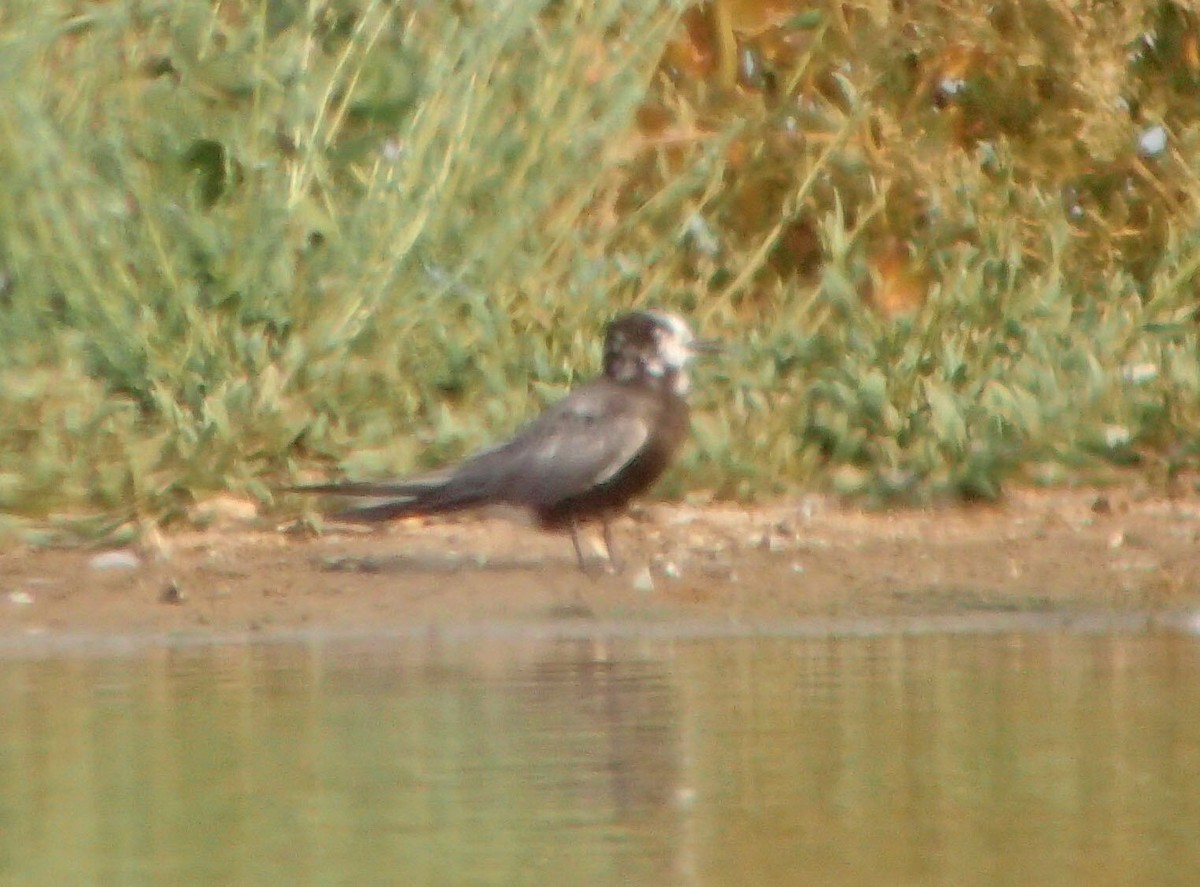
(603, 445)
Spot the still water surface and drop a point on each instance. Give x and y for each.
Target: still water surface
(1012, 758)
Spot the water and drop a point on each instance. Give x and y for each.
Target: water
(1010, 758)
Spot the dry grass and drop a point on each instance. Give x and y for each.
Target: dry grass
(249, 241)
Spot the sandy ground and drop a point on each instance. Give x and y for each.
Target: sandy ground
(1057, 553)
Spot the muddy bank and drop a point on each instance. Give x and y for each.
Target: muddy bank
(1038, 552)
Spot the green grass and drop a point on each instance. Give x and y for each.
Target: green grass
(246, 243)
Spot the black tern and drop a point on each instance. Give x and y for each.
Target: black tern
(582, 459)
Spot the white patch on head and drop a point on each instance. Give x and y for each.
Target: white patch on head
(674, 342)
(664, 357)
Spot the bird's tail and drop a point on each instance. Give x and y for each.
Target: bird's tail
(384, 511)
(433, 494)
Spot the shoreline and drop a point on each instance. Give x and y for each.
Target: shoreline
(806, 565)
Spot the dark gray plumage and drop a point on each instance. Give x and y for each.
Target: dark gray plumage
(583, 458)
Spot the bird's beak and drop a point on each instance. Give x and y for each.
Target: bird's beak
(706, 346)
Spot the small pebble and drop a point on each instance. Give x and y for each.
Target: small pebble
(115, 560)
(643, 581)
(172, 594)
(20, 598)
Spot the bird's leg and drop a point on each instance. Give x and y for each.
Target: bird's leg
(583, 563)
(613, 561)
(578, 547)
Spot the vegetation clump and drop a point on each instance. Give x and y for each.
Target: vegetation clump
(249, 242)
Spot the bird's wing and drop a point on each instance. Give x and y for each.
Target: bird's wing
(579, 443)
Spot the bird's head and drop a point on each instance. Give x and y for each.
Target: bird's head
(653, 347)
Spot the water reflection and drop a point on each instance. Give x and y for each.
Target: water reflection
(1015, 758)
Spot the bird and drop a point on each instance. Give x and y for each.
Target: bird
(582, 459)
